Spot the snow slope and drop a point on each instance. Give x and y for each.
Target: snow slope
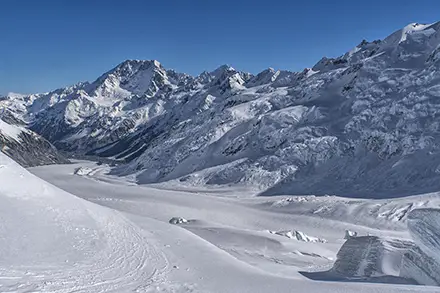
(226, 246)
(53, 241)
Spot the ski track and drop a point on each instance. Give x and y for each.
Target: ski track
(129, 262)
(116, 256)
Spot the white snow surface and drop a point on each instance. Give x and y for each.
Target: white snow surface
(53, 241)
(114, 236)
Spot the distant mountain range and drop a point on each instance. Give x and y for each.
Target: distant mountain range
(364, 124)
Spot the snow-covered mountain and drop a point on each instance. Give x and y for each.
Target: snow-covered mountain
(362, 124)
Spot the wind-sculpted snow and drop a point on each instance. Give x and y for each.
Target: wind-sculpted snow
(364, 124)
(298, 235)
(370, 256)
(53, 241)
(420, 267)
(424, 262)
(379, 259)
(424, 225)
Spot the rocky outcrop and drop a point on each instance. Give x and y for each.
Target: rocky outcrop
(26, 147)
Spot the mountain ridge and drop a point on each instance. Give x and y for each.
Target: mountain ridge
(350, 124)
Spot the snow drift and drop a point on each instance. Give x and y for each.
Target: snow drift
(370, 256)
(378, 259)
(298, 235)
(423, 263)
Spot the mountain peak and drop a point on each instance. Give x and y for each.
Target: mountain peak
(139, 62)
(132, 76)
(221, 69)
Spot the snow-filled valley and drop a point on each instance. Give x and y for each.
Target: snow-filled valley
(93, 232)
(325, 180)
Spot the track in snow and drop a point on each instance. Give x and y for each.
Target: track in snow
(55, 242)
(228, 247)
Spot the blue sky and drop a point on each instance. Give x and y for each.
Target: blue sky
(49, 44)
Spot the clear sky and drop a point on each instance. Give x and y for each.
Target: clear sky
(49, 44)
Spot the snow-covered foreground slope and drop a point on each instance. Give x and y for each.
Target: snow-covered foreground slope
(52, 241)
(228, 243)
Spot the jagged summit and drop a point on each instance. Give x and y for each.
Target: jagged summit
(221, 69)
(131, 77)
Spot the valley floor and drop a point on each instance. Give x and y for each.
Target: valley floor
(232, 242)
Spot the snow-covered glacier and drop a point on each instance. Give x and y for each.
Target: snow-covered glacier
(370, 256)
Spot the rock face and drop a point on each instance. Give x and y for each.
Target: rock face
(26, 147)
(362, 124)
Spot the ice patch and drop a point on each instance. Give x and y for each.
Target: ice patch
(298, 235)
(82, 171)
